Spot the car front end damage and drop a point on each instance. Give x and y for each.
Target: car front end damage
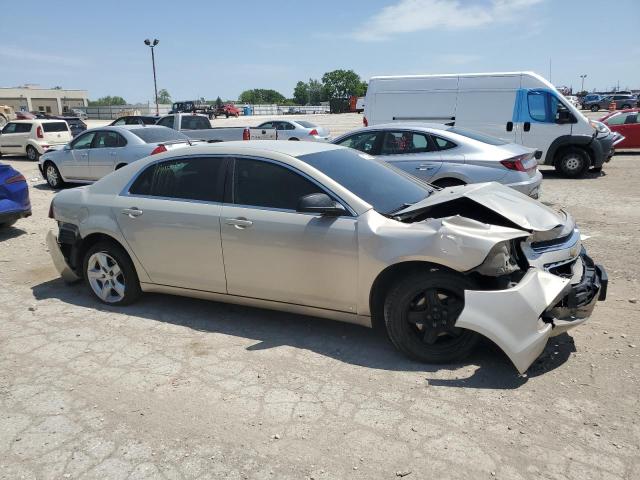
(536, 285)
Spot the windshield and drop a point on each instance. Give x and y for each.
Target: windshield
(159, 134)
(380, 185)
(477, 136)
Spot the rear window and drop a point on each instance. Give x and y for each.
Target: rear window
(305, 124)
(194, 123)
(159, 134)
(477, 136)
(55, 127)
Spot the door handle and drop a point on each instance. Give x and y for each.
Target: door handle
(509, 126)
(240, 222)
(423, 168)
(527, 126)
(132, 212)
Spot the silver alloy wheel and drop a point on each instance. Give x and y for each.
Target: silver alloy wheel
(106, 277)
(572, 163)
(31, 153)
(52, 175)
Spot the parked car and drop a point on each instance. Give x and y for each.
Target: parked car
(141, 120)
(588, 101)
(100, 151)
(76, 125)
(14, 196)
(227, 110)
(519, 107)
(76, 112)
(198, 127)
(324, 230)
(447, 156)
(297, 130)
(622, 101)
(573, 100)
(6, 115)
(627, 124)
(21, 115)
(33, 137)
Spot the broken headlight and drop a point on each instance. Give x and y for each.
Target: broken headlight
(500, 261)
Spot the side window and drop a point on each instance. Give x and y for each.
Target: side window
(538, 106)
(23, 128)
(10, 128)
(618, 119)
(166, 121)
(266, 125)
(399, 143)
(83, 141)
(264, 184)
(120, 121)
(199, 178)
(443, 144)
(288, 126)
(278, 125)
(365, 142)
(631, 118)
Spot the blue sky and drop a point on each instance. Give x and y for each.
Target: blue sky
(211, 48)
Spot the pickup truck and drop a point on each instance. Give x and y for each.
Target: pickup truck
(198, 127)
(193, 106)
(228, 110)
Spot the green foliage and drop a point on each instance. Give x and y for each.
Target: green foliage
(342, 83)
(164, 96)
(261, 96)
(219, 102)
(108, 100)
(301, 93)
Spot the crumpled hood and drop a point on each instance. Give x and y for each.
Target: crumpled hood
(516, 207)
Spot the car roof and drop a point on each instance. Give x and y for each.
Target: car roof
(293, 149)
(41, 120)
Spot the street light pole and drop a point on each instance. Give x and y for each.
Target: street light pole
(151, 45)
(583, 76)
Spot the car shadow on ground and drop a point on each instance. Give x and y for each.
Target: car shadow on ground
(7, 233)
(347, 343)
(554, 175)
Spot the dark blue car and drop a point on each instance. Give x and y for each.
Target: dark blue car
(14, 196)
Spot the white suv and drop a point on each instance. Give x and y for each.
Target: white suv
(33, 137)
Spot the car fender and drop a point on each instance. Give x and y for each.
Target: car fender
(567, 141)
(44, 159)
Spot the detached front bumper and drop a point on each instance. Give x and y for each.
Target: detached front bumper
(521, 319)
(63, 268)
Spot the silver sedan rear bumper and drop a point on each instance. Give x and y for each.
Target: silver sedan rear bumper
(530, 186)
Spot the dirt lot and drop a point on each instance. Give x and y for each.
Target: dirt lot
(179, 388)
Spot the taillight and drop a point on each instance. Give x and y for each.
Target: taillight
(246, 134)
(365, 122)
(519, 163)
(39, 133)
(313, 132)
(159, 149)
(51, 209)
(15, 179)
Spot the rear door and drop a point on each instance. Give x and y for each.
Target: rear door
(413, 152)
(170, 217)
(56, 133)
(105, 151)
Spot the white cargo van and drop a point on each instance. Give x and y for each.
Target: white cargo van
(520, 107)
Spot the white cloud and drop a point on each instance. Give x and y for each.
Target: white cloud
(408, 16)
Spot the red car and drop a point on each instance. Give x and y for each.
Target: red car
(228, 110)
(627, 124)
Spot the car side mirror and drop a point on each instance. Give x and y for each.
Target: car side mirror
(564, 117)
(321, 204)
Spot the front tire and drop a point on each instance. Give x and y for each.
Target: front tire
(420, 312)
(595, 108)
(32, 153)
(572, 162)
(110, 275)
(52, 176)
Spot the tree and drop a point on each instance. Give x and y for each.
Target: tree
(342, 83)
(301, 93)
(108, 100)
(317, 92)
(164, 96)
(261, 95)
(218, 102)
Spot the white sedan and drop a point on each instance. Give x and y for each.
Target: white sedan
(297, 130)
(100, 151)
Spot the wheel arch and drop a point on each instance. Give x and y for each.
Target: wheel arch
(569, 141)
(49, 160)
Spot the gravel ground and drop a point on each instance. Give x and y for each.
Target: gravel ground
(180, 388)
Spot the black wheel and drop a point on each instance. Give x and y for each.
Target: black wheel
(32, 153)
(52, 175)
(625, 106)
(595, 108)
(448, 182)
(572, 162)
(226, 115)
(294, 139)
(110, 275)
(420, 312)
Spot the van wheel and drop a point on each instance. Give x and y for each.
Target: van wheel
(420, 312)
(52, 176)
(595, 108)
(110, 275)
(448, 182)
(572, 162)
(32, 154)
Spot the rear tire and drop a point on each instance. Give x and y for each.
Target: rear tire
(572, 162)
(418, 302)
(52, 176)
(32, 154)
(594, 108)
(110, 275)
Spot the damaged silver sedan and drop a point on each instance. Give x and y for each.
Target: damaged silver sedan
(328, 231)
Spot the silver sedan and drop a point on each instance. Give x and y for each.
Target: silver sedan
(447, 156)
(323, 230)
(297, 130)
(99, 151)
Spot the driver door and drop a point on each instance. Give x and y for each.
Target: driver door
(75, 159)
(273, 252)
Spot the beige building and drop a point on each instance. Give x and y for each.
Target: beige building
(54, 101)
